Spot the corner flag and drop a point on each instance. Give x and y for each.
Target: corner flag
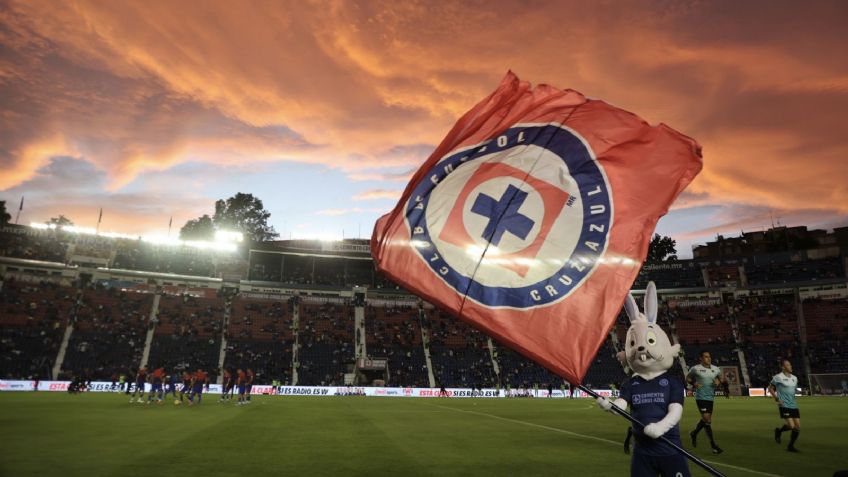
(531, 219)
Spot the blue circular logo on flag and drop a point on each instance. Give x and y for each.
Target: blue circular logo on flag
(520, 220)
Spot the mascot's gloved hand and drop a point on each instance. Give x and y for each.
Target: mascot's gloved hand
(656, 429)
(607, 405)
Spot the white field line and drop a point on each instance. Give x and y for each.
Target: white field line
(584, 436)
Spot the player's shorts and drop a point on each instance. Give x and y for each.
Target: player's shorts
(140, 385)
(704, 406)
(786, 412)
(241, 389)
(644, 465)
(248, 388)
(156, 387)
(198, 389)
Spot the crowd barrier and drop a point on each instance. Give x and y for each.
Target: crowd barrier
(107, 386)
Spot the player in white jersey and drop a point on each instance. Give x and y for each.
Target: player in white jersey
(704, 377)
(782, 387)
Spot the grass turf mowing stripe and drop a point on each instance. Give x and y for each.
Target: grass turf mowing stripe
(584, 436)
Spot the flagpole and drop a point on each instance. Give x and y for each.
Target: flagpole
(20, 208)
(629, 417)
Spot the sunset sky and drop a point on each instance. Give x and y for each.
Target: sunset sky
(153, 109)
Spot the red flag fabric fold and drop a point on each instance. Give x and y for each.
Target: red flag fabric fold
(532, 217)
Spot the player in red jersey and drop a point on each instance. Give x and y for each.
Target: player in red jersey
(228, 384)
(249, 384)
(241, 382)
(198, 381)
(157, 378)
(186, 388)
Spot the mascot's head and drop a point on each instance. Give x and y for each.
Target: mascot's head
(647, 349)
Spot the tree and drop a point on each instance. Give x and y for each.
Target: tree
(5, 217)
(60, 221)
(662, 248)
(244, 213)
(200, 228)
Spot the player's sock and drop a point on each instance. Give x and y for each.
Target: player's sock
(793, 438)
(698, 427)
(785, 428)
(709, 429)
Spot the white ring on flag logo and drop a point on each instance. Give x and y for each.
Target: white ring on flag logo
(520, 220)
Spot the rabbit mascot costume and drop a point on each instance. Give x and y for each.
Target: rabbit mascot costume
(654, 396)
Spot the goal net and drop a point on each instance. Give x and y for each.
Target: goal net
(831, 384)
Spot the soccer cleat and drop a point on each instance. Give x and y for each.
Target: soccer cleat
(792, 449)
(777, 435)
(717, 450)
(694, 438)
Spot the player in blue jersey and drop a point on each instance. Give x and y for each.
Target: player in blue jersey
(140, 382)
(171, 385)
(704, 377)
(782, 387)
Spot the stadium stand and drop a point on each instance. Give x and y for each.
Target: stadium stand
(729, 306)
(33, 317)
(109, 333)
(188, 333)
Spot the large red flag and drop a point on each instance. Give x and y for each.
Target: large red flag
(532, 217)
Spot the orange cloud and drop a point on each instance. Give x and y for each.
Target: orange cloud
(375, 194)
(134, 87)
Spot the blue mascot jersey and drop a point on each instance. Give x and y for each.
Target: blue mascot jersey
(649, 401)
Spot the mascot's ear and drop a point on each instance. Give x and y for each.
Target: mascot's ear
(651, 303)
(631, 308)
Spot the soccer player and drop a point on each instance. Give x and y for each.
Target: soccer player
(171, 385)
(197, 383)
(156, 380)
(704, 377)
(249, 384)
(228, 378)
(241, 381)
(186, 389)
(140, 381)
(782, 387)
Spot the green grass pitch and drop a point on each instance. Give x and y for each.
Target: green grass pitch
(102, 434)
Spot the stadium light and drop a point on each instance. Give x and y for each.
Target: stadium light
(227, 242)
(228, 236)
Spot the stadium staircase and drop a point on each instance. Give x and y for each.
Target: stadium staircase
(153, 321)
(675, 340)
(493, 356)
(60, 356)
(802, 335)
(295, 308)
(66, 338)
(425, 343)
(737, 337)
(222, 354)
(359, 349)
